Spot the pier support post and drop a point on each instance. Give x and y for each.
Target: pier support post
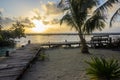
(7, 54)
(29, 42)
(49, 45)
(69, 45)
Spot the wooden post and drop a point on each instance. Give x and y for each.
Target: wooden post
(22, 46)
(69, 45)
(29, 41)
(49, 46)
(110, 40)
(7, 54)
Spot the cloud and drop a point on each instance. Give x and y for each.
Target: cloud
(37, 13)
(47, 11)
(26, 21)
(51, 9)
(36, 17)
(6, 22)
(49, 15)
(45, 22)
(36, 10)
(56, 28)
(1, 10)
(51, 22)
(55, 21)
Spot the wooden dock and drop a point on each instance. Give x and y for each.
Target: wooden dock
(53, 44)
(59, 44)
(13, 66)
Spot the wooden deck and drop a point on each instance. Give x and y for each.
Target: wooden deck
(57, 44)
(13, 66)
(52, 44)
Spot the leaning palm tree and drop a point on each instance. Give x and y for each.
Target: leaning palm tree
(78, 16)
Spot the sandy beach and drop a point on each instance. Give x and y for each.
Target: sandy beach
(65, 64)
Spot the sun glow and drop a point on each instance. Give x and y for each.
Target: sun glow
(39, 26)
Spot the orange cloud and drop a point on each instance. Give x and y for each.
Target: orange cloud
(51, 9)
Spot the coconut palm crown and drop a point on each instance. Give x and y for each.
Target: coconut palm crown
(79, 17)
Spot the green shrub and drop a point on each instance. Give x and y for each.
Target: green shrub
(42, 56)
(101, 69)
(8, 43)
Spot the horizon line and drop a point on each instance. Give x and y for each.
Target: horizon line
(110, 33)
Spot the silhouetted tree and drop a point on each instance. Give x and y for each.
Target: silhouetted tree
(18, 30)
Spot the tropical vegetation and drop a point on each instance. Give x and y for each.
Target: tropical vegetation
(7, 36)
(102, 69)
(81, 16)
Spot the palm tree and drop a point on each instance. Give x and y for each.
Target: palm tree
(77, 15)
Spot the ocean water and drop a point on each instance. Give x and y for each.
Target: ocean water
(42, 39)
(53, 38)
(46, 39)
(50, 38)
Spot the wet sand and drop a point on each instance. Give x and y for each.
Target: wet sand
(65, 64)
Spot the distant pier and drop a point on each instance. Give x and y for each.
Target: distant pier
(57, 44)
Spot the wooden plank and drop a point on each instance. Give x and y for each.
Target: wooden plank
(11, 72)
(14, 66)
(8, 78)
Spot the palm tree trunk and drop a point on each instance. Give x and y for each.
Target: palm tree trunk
(84, 48)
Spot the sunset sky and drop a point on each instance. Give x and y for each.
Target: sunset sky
(43, 13)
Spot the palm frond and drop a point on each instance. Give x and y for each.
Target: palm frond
(103, 69)
(96, 22)
(68, 19)
(63, 4)
(113, 18)
(60, 4)
(105, 6)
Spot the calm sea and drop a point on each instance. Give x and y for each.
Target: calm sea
(45, 39)
(50, 38)
(42, 39)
